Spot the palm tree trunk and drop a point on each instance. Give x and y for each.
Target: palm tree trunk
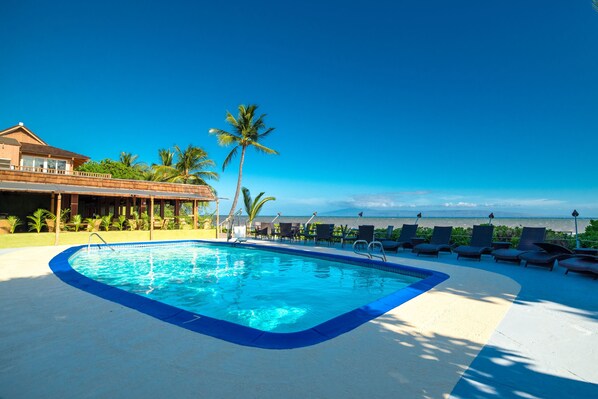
(232, 208)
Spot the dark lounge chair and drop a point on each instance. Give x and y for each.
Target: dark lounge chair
(408, 231)
(365, 233)
(529, 236)
(262, 230)
(440, 241)
(481, 242)
(286, 231)
(546, 256)
(324, 233)
(584, 264)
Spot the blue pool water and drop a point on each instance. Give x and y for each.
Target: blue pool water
(265, 290)
(271, 298)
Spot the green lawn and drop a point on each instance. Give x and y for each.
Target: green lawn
(19, 240)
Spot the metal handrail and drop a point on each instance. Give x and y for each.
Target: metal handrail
(100, 237)
(371, 246)
(370, 249)
(361, 242)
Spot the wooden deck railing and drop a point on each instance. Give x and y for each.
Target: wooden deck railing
(60, 172)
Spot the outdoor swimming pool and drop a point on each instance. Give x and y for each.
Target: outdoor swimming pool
(250, 295)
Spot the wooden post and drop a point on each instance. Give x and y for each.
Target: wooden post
(52, 201)
(162, 207)
(57, 227)
(151, 217)
(74, 204)
(195, 214)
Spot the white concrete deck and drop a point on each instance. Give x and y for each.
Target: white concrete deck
(490, 331)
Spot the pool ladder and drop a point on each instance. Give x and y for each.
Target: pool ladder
(100, 237)
(369, 252)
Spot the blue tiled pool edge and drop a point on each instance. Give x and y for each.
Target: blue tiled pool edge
(248, 336)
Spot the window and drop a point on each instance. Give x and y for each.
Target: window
(43, 164)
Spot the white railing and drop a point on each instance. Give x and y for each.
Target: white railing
(60, 172)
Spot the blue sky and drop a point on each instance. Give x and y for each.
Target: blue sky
(390, 105)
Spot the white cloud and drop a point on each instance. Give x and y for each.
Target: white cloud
(460, 205)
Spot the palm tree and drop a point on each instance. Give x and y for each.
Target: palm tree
(127, 159)
(246, 133)
(254, 207)
(190, 167)
(162, 171)
(166, 156)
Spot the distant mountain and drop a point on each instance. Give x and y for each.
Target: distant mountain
(465, 213)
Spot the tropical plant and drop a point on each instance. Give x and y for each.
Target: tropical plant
(246, 133)
(64, 215)
(127, 159)
(76, 220)
(119, 222)
(37, 220)
(254, 207)
(13, 223)
(166, 156)
(190, 167)
(106, 221)
(91, 223)
(143, 222)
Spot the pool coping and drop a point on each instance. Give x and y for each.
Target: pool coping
(242, 335)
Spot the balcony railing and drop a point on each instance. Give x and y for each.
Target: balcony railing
(60, 172)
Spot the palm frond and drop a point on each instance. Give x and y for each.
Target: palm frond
(231, 155)
(246, 199)
(266, 133)
(263, 148)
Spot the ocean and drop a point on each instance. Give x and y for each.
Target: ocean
(555, 224)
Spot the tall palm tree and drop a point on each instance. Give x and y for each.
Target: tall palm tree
(163, 170)
(190, 167)
(166, 156)
(246, 133)
(127, 159)
(254, 207)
